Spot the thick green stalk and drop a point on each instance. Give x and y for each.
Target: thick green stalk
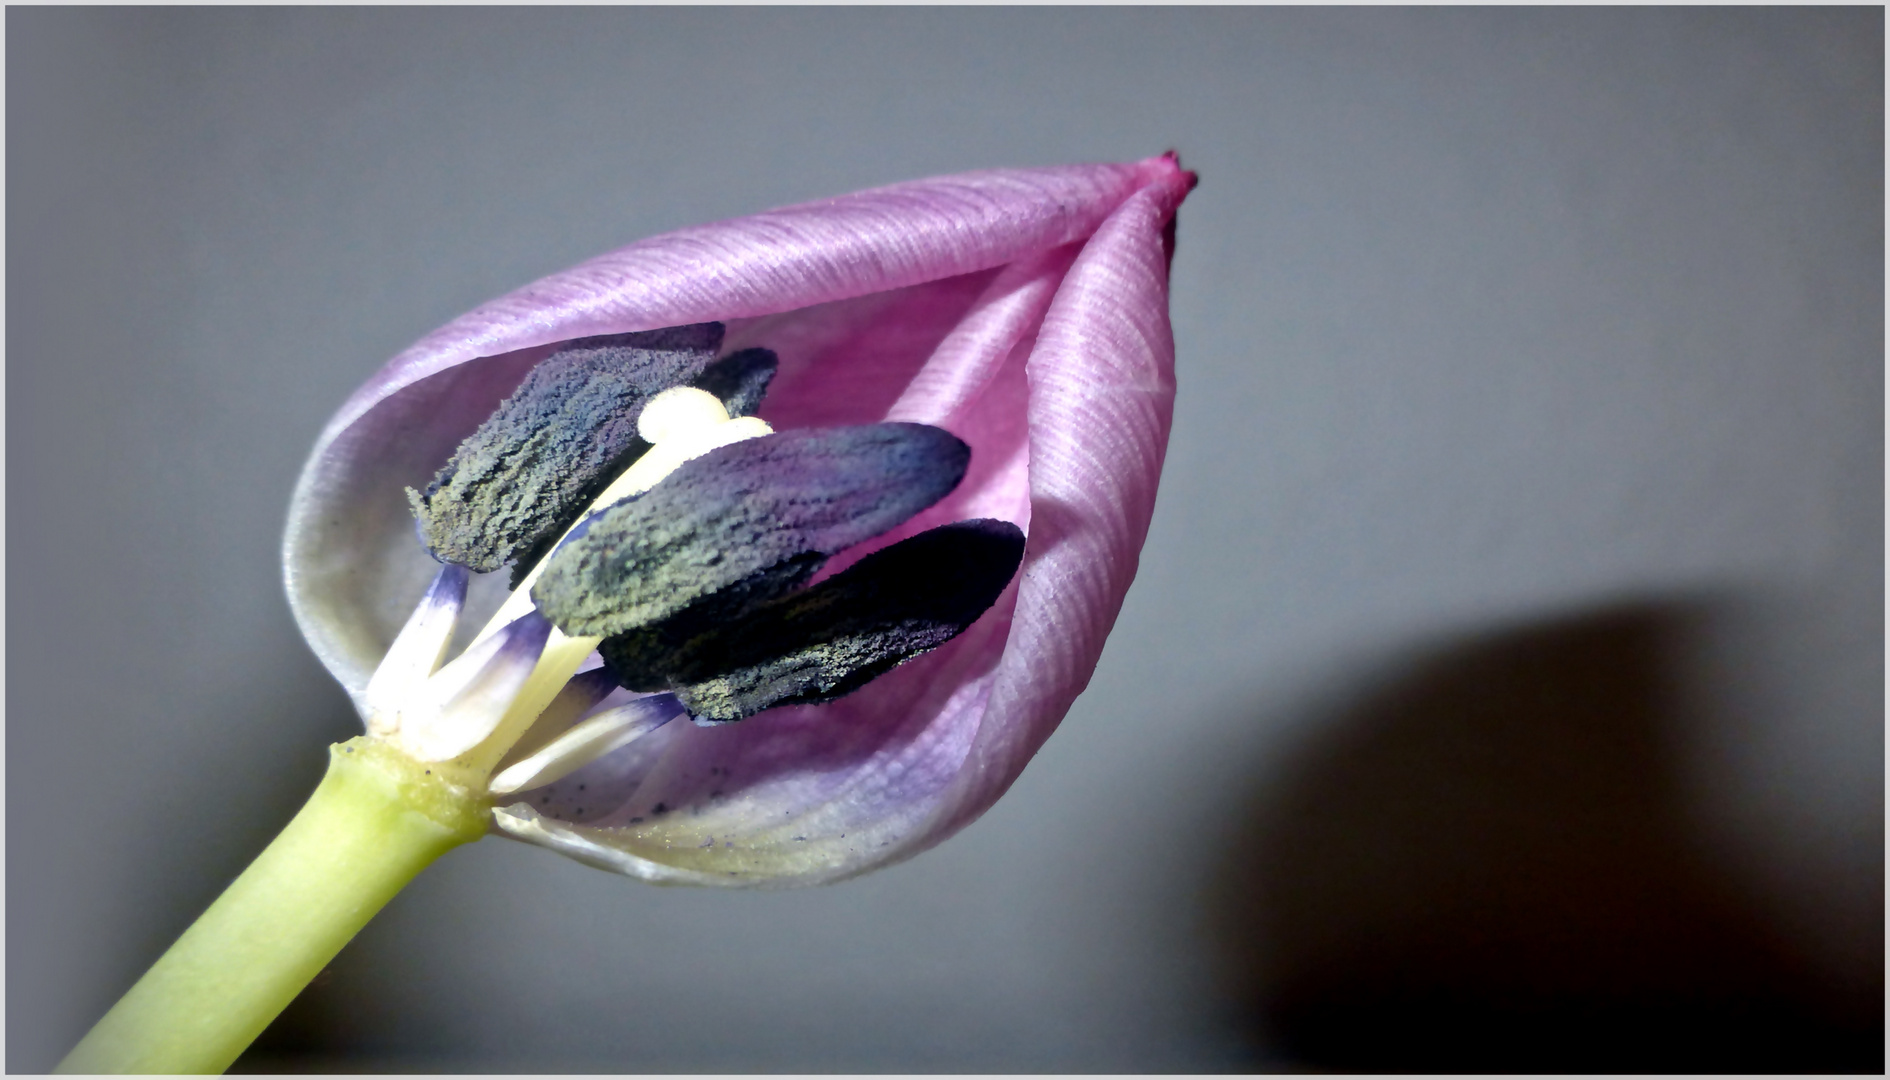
(377, 819)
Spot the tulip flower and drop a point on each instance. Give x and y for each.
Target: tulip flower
(777, 649)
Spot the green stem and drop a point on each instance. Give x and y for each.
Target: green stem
(377, 819)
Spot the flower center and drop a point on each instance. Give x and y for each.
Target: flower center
(684, 567)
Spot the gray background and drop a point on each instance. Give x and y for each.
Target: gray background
(1504, 676)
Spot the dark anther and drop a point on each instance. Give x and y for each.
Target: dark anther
(740, 379)
(832, 639)
(743, 524)
(515, 485)
(666, 635)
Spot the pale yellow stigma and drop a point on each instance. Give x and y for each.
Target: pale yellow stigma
(680, 423)
(677, 411)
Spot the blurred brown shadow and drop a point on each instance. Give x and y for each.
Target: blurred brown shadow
(1483, 865)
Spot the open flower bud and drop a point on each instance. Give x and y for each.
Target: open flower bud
(893, 667)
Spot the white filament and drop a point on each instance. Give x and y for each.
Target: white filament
(578, 747)
(412, 658)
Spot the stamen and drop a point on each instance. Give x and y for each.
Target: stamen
(581, 693)
(740, 379)
(732, 515)
(536, 463)
(587, 413)
(586, 742)
(641, 655)
(834, 638)
(688, 423)
(562, 654)
(466, 700)
(416, 651)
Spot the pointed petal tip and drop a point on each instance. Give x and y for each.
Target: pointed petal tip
(1168, 164)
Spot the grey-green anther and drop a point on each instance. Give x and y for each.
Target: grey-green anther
(531, 468)
(756, 517)
(832, 639)
(740, 379)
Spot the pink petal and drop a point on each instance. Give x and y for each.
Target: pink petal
(951, 301)
(1007, 313)
(347, 565)
(1102, 393)
(901, 765)
(794, 257)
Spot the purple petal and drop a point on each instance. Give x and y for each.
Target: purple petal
(822, 792)
(794, 257)
(1101, 404)
(351, 580)
(927, 301)
(801, 795)
(1008, 312)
